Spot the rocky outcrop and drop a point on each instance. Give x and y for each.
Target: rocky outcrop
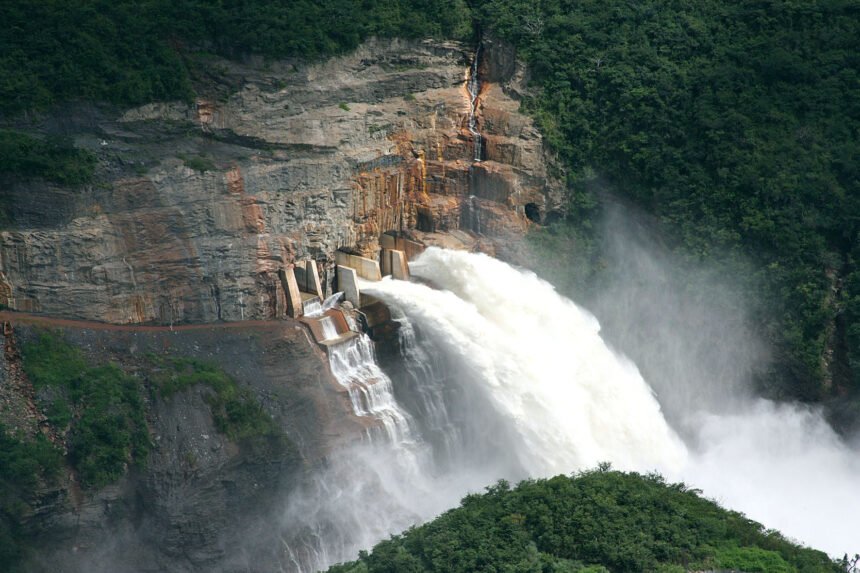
(197, 206)
(202, 501)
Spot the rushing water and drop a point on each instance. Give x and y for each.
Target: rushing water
(501, 377)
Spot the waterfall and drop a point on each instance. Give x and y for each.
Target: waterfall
(473, 398)
(370, 391)
(537, 362)
(474, 87)
(499, 377)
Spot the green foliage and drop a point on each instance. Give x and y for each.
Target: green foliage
(752, 560)
(199, 163)
(132, 52)
(101, 404)
(23, 464)
(734, 123)
(111, 430)
(54, 159)
(596, 521)
(343, 106)
(234, 410)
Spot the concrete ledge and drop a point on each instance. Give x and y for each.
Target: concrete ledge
(365, 268)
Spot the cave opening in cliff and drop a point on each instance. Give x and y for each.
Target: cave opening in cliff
(424, 220)
(533, 212)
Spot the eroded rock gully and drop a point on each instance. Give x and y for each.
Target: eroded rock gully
(299, 161)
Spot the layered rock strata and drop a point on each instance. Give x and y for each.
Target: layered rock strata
(198, 206)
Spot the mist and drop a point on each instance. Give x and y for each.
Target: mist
(689, 329)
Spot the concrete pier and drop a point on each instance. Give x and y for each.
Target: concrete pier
(411, 248)
(308, 278)
(347, 282)
(291, 290)
(394, 264)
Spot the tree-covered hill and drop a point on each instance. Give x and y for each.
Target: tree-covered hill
(736, 124)
(132, 52)
(596, 521)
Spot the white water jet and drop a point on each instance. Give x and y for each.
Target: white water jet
(501, 377)
(539, 360)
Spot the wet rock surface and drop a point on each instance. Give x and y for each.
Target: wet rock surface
(195, 209)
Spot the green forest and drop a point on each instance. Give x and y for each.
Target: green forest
(594, 522)
(128, 53)
(736, 126)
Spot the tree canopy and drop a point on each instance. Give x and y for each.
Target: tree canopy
(593, 522)
(132, 52)
(736, 124)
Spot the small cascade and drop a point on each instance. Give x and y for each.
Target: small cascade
(370, 390)
(372, 488)
(474, 87)
(329, 328)
(313, 308)
(473, 215)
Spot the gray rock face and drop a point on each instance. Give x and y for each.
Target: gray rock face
(202, 502)
(196, 206)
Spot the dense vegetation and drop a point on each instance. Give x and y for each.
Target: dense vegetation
(101, 408)
(98, 412)
(736, 124)
(54, 159)
(594, 522)
(24, 463)
(234, 410)
(131, 52)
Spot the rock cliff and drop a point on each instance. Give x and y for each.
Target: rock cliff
(176, 247)
(201, 501)
(197, 205)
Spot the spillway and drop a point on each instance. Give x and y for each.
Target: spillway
(500, 377)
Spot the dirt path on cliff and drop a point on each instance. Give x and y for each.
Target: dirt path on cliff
(48, 321)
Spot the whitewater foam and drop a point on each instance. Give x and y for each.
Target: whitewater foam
(539, 360)
(501, 377)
